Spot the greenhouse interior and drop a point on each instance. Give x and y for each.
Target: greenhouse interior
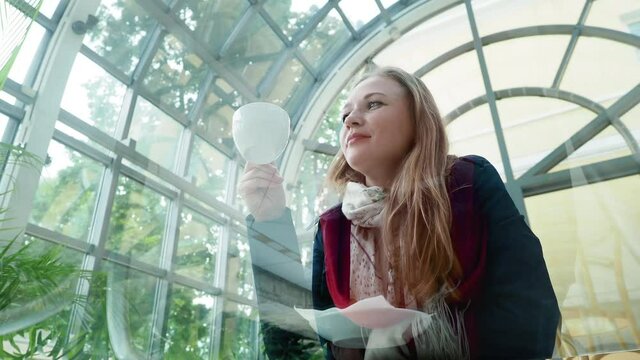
(124, 236)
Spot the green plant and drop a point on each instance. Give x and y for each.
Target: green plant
(16, 18)
(37, 287)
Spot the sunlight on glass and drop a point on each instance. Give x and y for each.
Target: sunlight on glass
(49, 7)
(215, 123)
(359, 12)
(607, 145)
(8, 98)
(549, 120)
(136, 225)
(589, 237)
(93, 95)
(293, 16)
(239, 270)
(198, 246)
(132, 294)
(190, 325)
(494, 16)
(253, 51)
(121, 34)
(156, 133)
(66, 196)
(325, 40)
(208, 168)
(436, 36)
(175, 74)
(602, 83)
(387, 3)
(27, 56)
(290, 85)
(211, 21)
(240, 338)
(621, 15)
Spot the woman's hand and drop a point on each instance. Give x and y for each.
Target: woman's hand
(261, 189)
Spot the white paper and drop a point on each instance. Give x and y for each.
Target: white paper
(369, 323)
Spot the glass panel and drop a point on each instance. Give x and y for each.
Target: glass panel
(531, 61)
(215, 124)
(60, 126)
(149, 173)
(121, 34)
(387, 3)
(310, 196)
(614, 14)
(328, 131)
(156, 133)
(8, 98)
(238, 202)
(27, 58)
(605, 146)
(211, 21)
(93, 95)
(495, 16)
(240, 336)
(589, 238)
(198, 246)
(291, 84)
(137, 221)
(359, 12)
(175, 75)
(48, 7)
(208, 168)
(66, 196)
(632, 121)
(132, 309)
(292, 16)
(436, 36)
(455, 82)
(190, 324)
(4, 122)
(473, 133)
(325, 40)
(253, 52)
(590, 74)
(549, 121)
(239, 269)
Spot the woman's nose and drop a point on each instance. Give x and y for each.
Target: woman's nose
(353, 119)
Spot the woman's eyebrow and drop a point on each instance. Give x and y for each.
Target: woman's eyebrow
(346, 105)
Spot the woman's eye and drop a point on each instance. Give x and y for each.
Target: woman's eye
(344, 116)
(374, 104)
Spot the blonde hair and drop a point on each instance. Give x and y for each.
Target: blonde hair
(417, 212)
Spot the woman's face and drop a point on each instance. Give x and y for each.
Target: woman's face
(377, 131)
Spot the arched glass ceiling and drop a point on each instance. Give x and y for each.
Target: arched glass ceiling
(134, 120)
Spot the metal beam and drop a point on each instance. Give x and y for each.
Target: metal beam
(526, 91)
(617, 109)
(591, 174)
(320, 148)
(589, 31)
(572, 44)
(198, 48)
(550, 93)
(514, 190)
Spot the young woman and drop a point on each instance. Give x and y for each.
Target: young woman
(425, 229)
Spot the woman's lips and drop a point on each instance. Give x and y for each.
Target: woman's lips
(353, 138)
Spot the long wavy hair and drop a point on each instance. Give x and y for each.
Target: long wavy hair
(416, 229)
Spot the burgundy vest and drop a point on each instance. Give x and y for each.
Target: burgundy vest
(468, 235)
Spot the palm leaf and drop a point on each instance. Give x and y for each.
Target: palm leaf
(16, 17)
